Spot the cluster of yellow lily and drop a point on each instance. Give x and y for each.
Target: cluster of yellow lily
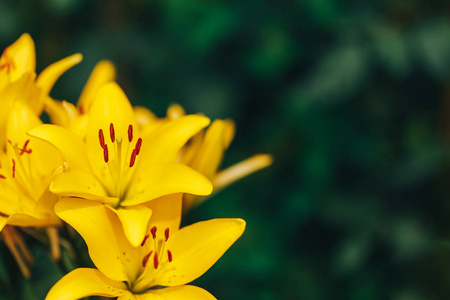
(117, 174)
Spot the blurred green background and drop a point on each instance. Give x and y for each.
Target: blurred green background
(352, 98)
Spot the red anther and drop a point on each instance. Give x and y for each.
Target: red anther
(145, 239)
(153, 231)
(145, 259)
(169, 255)
(166, 234)
(2, 176)
(24, 149)
(130, 133)
(111, 132)
(105, 153)
(138, 146)
(133, 158)
(155, 260)
(13, 168)
(101, 138)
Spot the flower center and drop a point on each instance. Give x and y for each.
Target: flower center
(157, 250)
(120, 160)
(21, 170)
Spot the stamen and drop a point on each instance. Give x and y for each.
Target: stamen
(130, 133)
(133, 158)
(145, 239)
(24, 149)
(13, 168)
(169, 255)
(155, 260)
(145, 259)
(111, 132)
(105, 153)
(101, 138)
(153, 231)
(166, 234)
(138, 146)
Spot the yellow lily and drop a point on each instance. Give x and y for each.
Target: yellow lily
(167, 259)
(205, 151)
(25, 174)
(26, 170)
(18, 80)
(118, 167)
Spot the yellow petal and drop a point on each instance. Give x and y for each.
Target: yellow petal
(164, 144)
(185, 292)
(163, 179)
(3, 222)
(102, 231)
(143, 115)
(129, 296)
(10, 198)
(32, 219)
(175, 111)
(60, 112)
(24, 90)
(43, 158)
(68, 144)
(197, 247)
(229, 132)
(103, 72)
(211, 151)
(134, 220)
(79, 126)
(21, 119)
(147, 120)
(241, 169)
(49, 75)
(166, 211)
(191, 148)
(84, 282)
(82, 185)
(21, 56)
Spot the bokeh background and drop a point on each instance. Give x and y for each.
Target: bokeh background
(352, 98)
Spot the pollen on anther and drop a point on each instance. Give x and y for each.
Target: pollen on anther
(138, 146)
(133, 158)
(111, 132)
(166, 234)
(130, 133)
(101, 138)
(169, 255)
(155, 260)
(105, 153)
(145, 259)
(144, 240)
(153, 231)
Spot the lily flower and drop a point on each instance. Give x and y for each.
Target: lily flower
(18, 80)
(120, 168)
(26, 170)
(167, 259)
(205, 151)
